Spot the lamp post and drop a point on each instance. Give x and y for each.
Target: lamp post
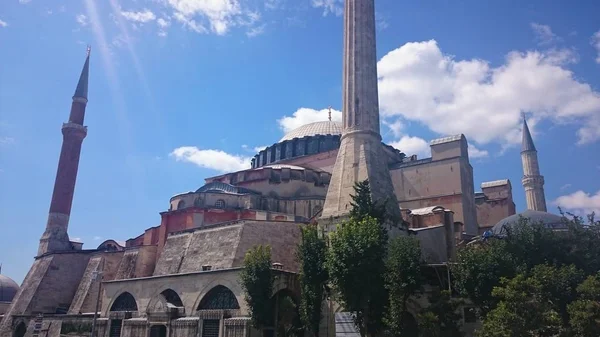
(97, 276)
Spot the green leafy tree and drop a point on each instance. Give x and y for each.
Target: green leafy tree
(402, 279)
(584, 313)
(363, 204)
(441, 318)
(257, 281)
(288, 317)
(312, 254)
(356, 269)
(524, 310)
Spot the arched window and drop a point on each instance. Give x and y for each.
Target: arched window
(219, 297)
(172, 298)
(125, 302)
(20, 330)
(180, 204)
(220, 203)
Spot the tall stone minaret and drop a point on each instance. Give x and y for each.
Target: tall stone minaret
(533, 181)
(55, 237)
(361, 154)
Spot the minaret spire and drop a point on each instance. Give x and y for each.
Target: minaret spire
(55, 237)
(361, 155)
(533, 181)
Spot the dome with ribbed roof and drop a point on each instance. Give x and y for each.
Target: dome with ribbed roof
(549, 220)
(313, 129)
(8, 289)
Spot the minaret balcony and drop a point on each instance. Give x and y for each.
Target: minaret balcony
(74, 128)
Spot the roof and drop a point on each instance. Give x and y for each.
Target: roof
(82, 86)
(495, 183)
(221, 187)
(527, 142)
(447, 139)
(8, 289)
(549, 220)
(426, 210)
(313, 129)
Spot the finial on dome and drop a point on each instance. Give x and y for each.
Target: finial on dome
(330, 113)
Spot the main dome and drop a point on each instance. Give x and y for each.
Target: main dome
(313, 129)
(8, 289)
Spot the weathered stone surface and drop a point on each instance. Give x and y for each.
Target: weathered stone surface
(361, 154)
(87, 281)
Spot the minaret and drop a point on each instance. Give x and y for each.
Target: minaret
(55, 237)
(361, 155)
(533, 181)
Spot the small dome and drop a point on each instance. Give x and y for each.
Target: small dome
(549, 220)
(313, 129)
(8, 289)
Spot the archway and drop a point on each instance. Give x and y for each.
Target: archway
(125, 302)
(158, 331)
(172, 298)
(219, 297)
(286, 314)
(20, 330)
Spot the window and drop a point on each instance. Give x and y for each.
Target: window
(125, 302)
(219, 297)
(220, 203)
(180, 204)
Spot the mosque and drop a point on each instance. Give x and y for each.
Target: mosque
(180, 278)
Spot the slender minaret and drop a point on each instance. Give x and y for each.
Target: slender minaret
(55, 237)
(533, 181)
(361, 155)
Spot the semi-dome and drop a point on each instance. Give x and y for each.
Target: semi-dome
(313, 129)
(8, 289)
(549, 220)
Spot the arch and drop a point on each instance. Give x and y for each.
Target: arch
(286, 306)
(172, 297)
(219, 297)
(124, 302)
(220, 204)
(181, 204)
(20, 330)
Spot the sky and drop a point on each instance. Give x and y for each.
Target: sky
(181, 90)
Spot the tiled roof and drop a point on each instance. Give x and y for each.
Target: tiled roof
(426, 210)
(313, 129)
(495, 183)
(446, 139)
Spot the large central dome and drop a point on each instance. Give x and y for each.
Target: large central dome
(313, 129)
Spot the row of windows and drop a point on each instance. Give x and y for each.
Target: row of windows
(218, 204)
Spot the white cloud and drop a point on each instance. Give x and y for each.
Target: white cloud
(6, 140)
(596, 43)
(259, 148)
(24, 1)
(141, 17)
(219, 15)
(212, 159)
(579, 203)
(3, 23)
(395, 127)
(163, 23)
(304, 116)
(273, 4)
(97, 238)
(474, 152)
(420, 83)
(544, 34)
(412, 145)
(255, 31)
(335, 7)
(82, 20)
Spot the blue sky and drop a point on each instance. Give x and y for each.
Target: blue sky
(185, 89)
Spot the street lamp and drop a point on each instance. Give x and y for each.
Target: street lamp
(97, 276)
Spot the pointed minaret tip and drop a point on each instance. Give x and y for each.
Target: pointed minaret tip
(527, 142)
(82, 86)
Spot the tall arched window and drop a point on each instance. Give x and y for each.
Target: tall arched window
(125, 302)
(219, 297)
(180, 204)
(220, 203)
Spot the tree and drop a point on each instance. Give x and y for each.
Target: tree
(584, 313)
(312, 253)
(356, 268)
(523, 311)
(363, 204)
(402, 279)
(441, 318)
(257, 282)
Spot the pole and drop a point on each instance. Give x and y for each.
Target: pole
(98, 277)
